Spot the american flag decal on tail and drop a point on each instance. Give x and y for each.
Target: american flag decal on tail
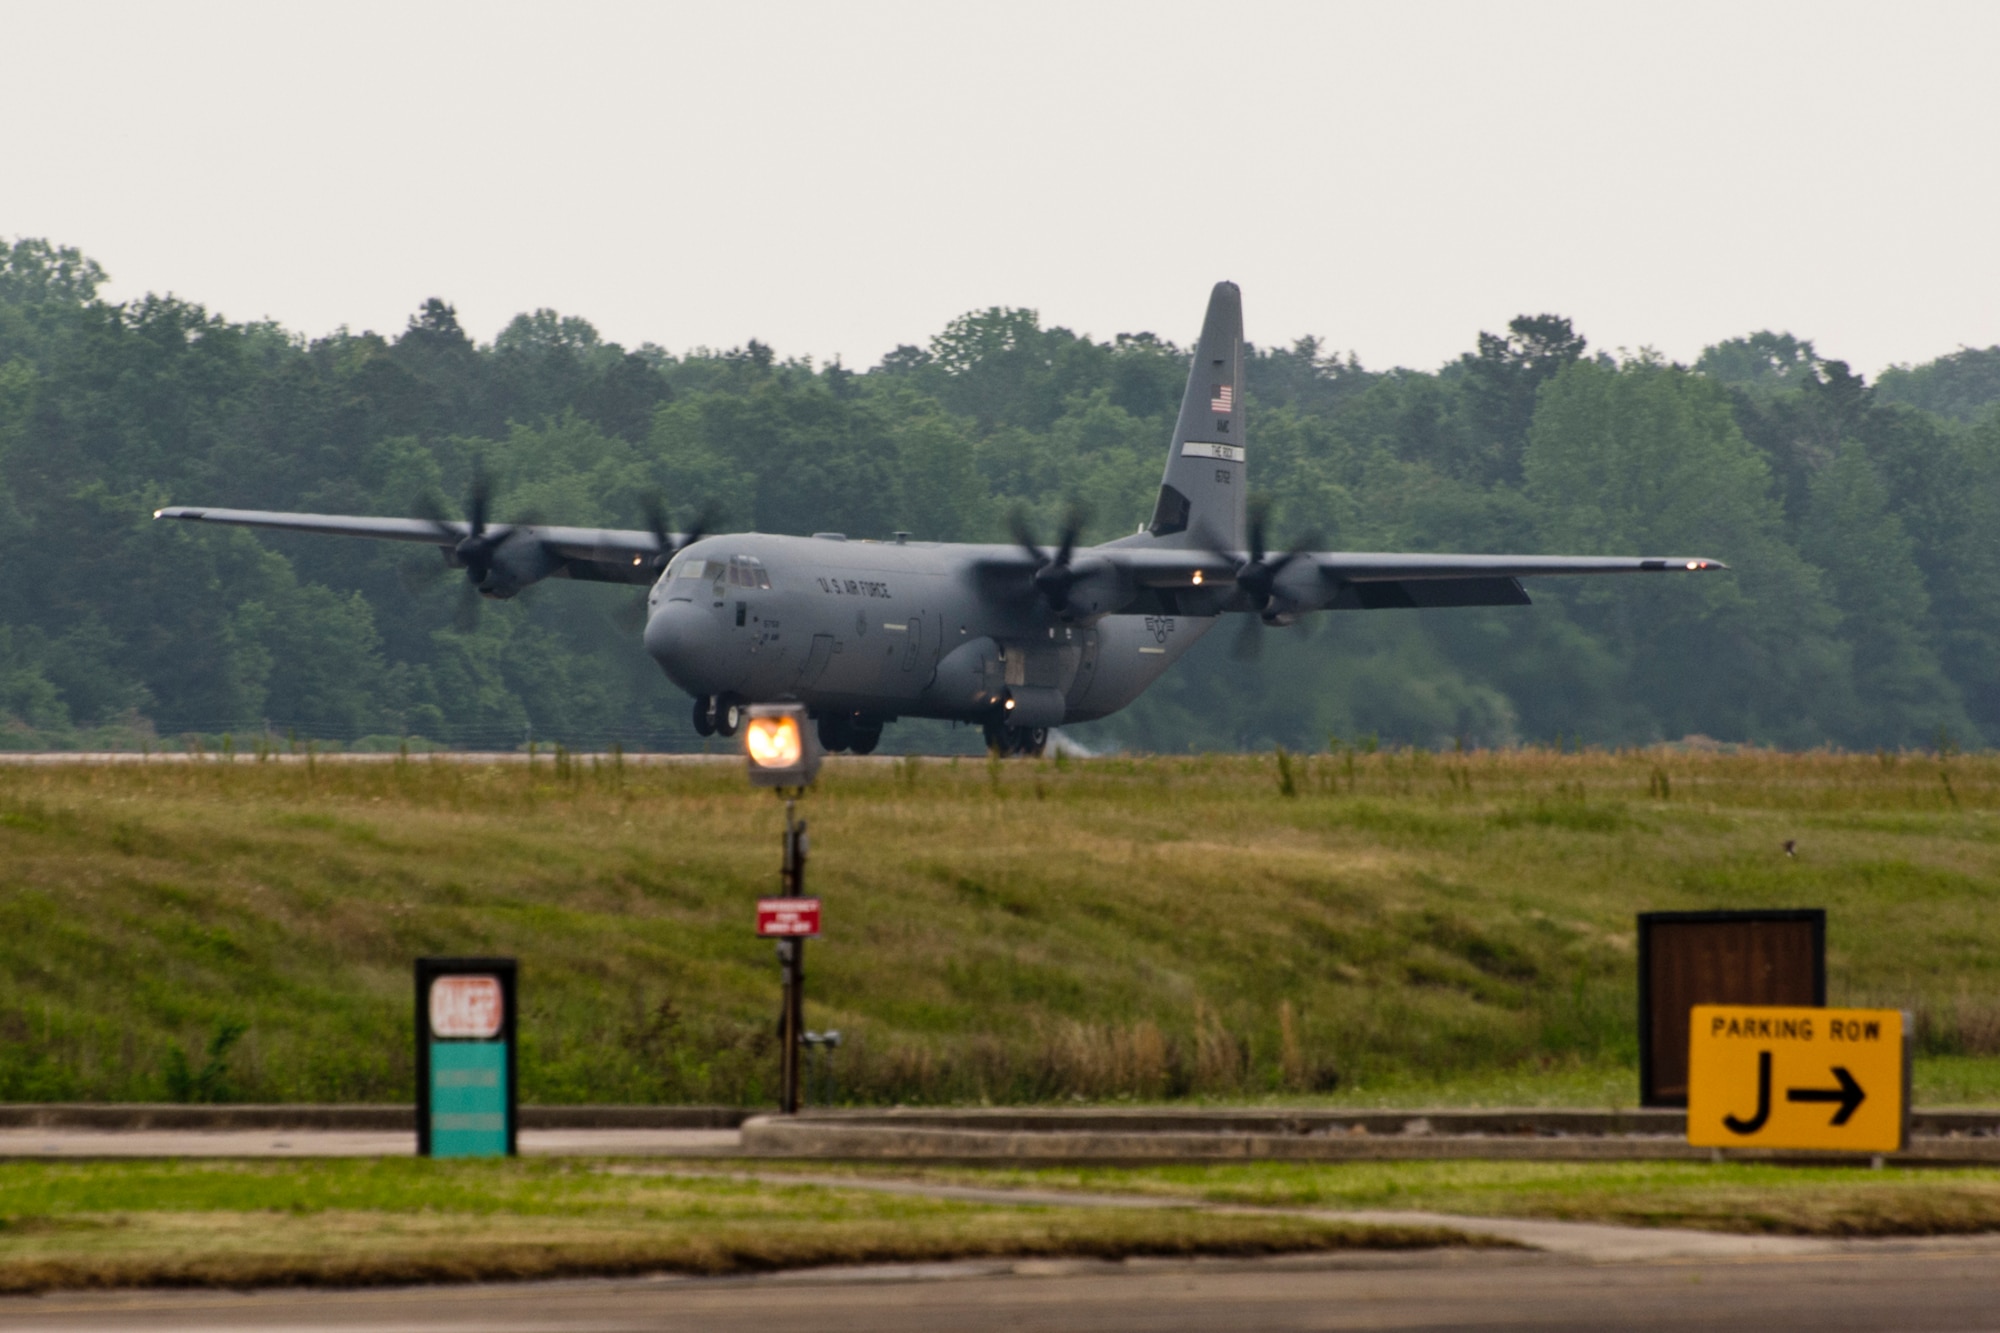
(1224, 399)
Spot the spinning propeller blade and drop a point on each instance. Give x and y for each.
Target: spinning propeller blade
(1257, 577)
(475, 549)
(1053, 577)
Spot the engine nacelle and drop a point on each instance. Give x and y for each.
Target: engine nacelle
(972, 676)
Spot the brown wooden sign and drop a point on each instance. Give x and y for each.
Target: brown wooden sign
(1688, 958)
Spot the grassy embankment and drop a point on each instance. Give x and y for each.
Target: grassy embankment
(67, 1225)
(1420, 926)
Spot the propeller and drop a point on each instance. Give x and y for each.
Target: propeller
(633, 616)
(665, 548)
(475, 549)
(1053, 577)
(1257, 578)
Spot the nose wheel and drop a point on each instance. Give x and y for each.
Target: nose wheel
(718, 715)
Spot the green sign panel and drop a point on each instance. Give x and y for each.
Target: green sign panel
(468, 1099)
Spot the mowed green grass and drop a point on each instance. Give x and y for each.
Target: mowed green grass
(243, 1223)
(1400, 927)
(1722, 1196)
(68, 1225)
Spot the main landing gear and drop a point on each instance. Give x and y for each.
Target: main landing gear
(849, 731)
(1002, 739)
(718, 715)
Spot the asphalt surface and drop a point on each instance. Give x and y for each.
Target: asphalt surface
(1932, 1286)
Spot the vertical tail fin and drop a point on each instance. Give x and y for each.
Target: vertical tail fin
(1202, 494)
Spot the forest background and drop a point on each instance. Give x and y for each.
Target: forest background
(1861, 521)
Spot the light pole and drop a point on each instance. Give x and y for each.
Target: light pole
(783, 752)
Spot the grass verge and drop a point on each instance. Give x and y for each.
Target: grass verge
(79, 1225)
(1741, 1197)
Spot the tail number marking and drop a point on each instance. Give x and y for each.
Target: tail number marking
(1221, 453)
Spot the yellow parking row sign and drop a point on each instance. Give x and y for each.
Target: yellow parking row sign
(1769, 1076)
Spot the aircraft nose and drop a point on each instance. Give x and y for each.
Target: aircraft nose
(687, 642)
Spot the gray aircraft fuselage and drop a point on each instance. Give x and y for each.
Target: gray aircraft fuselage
(896, 629)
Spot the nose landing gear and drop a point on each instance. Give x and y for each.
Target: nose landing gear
(718, 715)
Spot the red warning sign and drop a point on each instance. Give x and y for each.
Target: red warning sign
(788, 916)
(466, 1006)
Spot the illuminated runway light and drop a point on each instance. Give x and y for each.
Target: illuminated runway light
(773, 742)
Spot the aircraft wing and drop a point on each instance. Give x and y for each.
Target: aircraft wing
(1372, 581)
(1378, 580)
(599, 555)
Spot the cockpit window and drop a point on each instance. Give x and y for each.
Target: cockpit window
(747, 571)
(743, 571)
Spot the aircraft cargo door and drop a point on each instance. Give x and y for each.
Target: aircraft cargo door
(921, 653)
(816, 660)
(1086, 670)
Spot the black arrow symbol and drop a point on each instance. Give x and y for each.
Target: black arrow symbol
(1848, 1094)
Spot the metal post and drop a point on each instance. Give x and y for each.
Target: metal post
(792, 877)
(792, 958)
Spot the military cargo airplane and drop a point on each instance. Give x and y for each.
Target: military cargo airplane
(1015, 639)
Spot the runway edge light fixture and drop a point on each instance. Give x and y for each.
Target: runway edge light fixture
(781, 745)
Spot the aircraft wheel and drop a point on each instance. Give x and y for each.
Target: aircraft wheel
(864, 739)
(704, 717)
(833, 732)
(1004, 740)
(728, 714)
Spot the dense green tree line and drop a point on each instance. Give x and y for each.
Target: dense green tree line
(1862, 521)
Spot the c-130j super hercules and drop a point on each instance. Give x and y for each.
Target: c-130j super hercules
(1016, 639)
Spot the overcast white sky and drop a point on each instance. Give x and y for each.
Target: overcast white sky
(836, 178)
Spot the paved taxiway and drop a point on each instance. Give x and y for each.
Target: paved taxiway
(1911, 1285)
